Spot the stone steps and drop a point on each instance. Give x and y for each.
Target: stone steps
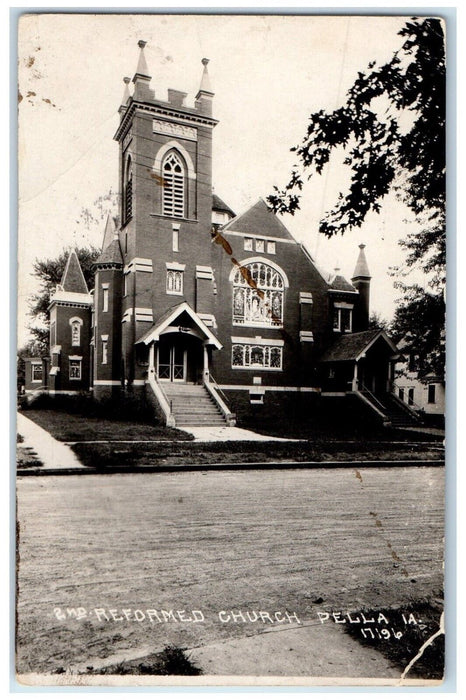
(192, 405)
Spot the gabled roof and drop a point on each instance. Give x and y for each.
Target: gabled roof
(352, 346)
(171, 315)
(260, 220)
(73, 278)
(219, 205)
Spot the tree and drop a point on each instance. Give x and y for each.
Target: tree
(376, 321)
(49, 273)
(392, 131)
(419, 322)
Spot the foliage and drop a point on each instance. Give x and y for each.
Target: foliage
(419, 323)
(392, 131)
(376, 321)
(382, 152)
(49, 272)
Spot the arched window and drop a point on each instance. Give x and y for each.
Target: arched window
(258, 295)
(128, 191)
(173, 174)
(76, 324)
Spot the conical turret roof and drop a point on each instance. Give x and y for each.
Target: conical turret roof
(362, 268)
(73, 278)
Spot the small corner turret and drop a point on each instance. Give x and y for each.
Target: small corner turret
(361, 280)
(142, 78)
(205, 95)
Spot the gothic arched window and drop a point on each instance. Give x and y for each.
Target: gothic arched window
(173, 191)
(258, 295)
(128, 191)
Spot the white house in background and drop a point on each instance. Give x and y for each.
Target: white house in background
(427, 395)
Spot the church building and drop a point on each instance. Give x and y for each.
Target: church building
(208, 313)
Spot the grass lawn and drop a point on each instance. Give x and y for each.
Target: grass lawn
(25, 456)
(176, 448)
(69, 427)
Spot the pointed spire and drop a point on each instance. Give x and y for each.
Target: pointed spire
(362, 268)
(142, 78)
(205, 80)
(73, 278)
(109, 232)
(142, 70)
(126, 94)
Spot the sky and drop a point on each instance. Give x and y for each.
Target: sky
(268, 73)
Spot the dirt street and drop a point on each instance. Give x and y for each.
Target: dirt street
(100, 554)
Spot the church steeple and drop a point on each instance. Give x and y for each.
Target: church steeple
(205, 94)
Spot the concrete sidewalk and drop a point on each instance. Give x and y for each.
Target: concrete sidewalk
(52, 453)
(224, 433)
(312, 650)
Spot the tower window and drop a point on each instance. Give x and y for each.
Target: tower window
(342, 318)
(128, 191)
(176, 238)
(104, 351)
(75, 368)
(104, 297)
(76, 324)
(174, 282)
(173, 173)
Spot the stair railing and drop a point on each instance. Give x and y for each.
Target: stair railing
(215, 391)
(412, 407)
(162, 400)
(373, 398)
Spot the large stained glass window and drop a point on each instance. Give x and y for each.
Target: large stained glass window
(258, 295)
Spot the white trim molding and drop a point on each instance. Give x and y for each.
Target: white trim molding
(175, 266)
(138, 265)
(305, 298)
(160, 126)
(107, 382)
(246, 387)
(209, 320)
(258, 340)
(204, 272)
(144, 314)
(306, 336)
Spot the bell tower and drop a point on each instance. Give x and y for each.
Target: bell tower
(165, 172)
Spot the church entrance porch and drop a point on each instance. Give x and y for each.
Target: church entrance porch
(179, 358)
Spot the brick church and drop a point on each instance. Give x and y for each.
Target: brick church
(206, 312)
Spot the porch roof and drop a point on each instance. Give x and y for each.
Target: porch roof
(167, 319)
(352, 346)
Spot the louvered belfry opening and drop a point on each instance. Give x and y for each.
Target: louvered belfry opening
(128, 192)
(173, 185)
